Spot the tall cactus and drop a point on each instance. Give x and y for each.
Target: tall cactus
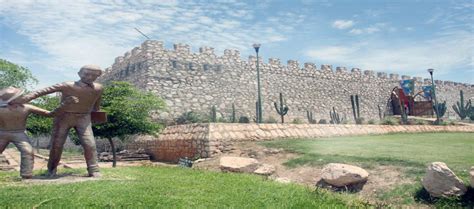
(471, 113)
(232, 117)
(213, 114)
(461, 109)
(335, 119)
(381, 113)
(309, 115)
(356, 108)
(403, 114)
(282, 110)
(439, 109)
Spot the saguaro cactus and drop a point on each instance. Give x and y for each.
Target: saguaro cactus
(403, 114)
(381, 112)
(213, 114)
(282, 110)
(309, 115)
(439, 109)
(356, 108)
(335, 119)
(461, 109)
(232, 117)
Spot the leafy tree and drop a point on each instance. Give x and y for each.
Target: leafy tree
(40, 125)
(15, 75)
(128, 112)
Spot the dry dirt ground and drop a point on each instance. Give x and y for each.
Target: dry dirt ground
(382, 178)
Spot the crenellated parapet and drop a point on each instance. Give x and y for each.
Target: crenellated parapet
(293, 65)
(326, 68)
(182, 56)
(309, 66)
(199, 79)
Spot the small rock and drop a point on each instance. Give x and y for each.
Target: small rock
(238, 164)
(283, 180)
(265, 169)
(472, 176)
(341, 175)
(440, 181)
(199, 160)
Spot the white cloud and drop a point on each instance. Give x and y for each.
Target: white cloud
(356, 31)
(342, 24)
(330, 53)
(75, 33)
(378, 27)
(445, 53)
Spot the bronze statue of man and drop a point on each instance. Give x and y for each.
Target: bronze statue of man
(76, 115)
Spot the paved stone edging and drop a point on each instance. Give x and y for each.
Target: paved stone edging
(205, 140)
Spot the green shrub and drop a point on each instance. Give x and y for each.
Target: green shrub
(443, 123)
(222, 120)
(297, 121)
(244, 119)
(323, 121)
(360, 120)
(371, 122)
(389, 121)
(191, 117)
(420, 122)
(271, 120)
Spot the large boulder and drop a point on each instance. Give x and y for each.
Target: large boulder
(238, 164)
(472, 176)
(341, 175)
(440, 181)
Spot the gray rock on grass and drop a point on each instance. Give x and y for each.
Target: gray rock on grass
(238, 164)
(440, 181)
(341, 175)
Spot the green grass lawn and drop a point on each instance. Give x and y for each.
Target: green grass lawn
(412, 152)
(165, 187)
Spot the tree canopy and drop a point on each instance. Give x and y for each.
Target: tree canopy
(128, 111)
(12, 74)
(40, 125)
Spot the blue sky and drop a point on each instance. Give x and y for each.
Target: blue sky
(55, 38)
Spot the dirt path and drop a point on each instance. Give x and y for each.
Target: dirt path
(382, 178)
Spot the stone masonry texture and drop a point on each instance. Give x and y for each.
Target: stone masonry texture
(208, 139)
(190, 81)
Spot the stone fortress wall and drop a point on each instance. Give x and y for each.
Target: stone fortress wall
(190, 81)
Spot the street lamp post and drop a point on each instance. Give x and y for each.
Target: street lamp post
(259, 99)
(433, 93)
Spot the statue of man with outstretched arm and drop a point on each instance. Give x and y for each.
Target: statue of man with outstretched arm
(76, 115)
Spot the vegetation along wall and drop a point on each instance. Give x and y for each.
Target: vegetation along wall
(190, 81)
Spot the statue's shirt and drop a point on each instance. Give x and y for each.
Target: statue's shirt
(13, 117)
(88, 95)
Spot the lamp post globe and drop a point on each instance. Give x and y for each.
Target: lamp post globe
(431, 71)
(256, 47)
(259, 96)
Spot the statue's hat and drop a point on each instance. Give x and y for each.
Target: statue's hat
(8, 94)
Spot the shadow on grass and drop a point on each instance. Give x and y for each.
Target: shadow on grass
(467, 200)
(353, 188)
